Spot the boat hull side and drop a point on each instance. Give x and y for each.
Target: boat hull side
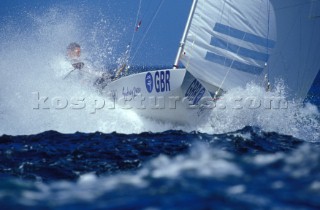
(169, 95)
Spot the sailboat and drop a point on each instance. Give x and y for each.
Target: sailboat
(227, 44)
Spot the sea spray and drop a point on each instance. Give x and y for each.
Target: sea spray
(270, 111)
(33, 66)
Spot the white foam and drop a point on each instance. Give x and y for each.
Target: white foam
(32, 67)
(200, 162)
(32, 60)
(237, 189)
(250, 106)
(266, 159)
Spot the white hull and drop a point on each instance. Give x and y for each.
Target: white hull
(170, 95)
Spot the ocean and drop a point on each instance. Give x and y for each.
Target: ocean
(63, 158)
(271, 164)
(245, 169)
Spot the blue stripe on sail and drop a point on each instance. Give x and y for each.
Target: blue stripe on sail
(233, 64)
(239, 50)
(248, 37)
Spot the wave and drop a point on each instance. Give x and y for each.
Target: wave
(201, 167)
(33, 62)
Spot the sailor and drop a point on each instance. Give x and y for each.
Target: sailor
(74, 52)
(83, 70)
(99, 78)
(73, 56)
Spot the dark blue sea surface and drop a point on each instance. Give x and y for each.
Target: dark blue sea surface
(249, 168)
(252, 159)
(246, 169)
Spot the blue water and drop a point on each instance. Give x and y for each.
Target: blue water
(246, 169)
(114, 159)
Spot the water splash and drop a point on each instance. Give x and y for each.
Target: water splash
(270, 111)
(33, 63)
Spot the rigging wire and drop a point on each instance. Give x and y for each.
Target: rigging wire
(148, 28)
(125, 65)
(225, 77)
(268, 33)
(148, 9)
(133, 34)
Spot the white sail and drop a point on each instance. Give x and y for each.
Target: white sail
(296, 58)
(233, 42)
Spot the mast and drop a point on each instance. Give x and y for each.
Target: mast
(184, 36)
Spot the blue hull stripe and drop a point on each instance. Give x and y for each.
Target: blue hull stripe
(242, 35)
(235, 64)
(239, 50)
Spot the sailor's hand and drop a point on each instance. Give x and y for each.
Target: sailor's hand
(78, 65)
